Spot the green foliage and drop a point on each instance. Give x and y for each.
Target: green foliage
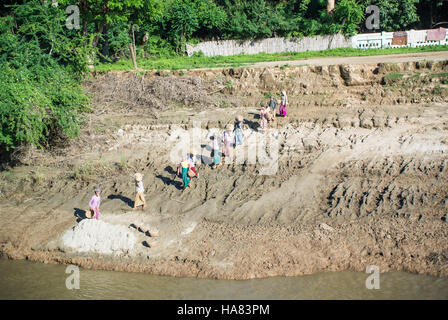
(395, 15)
(118, 39)
(38, 103)
(348, 14)
(42, 28)
(40, 97)
(184, 18)
(181, 21)
(102, 12)
(170, 24)
(392, 78)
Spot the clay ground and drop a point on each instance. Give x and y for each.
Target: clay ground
(358, 175)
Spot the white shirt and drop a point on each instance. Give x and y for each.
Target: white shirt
(139, 188)
(227, 137)
(191, 161)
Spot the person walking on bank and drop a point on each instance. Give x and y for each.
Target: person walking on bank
(273, 106)
(185, 165)
(216, 157)
(283, 104)
(227, 139)
(238, 130)
(139, 189)
(263, 120)
(94, 205)
(192, 163)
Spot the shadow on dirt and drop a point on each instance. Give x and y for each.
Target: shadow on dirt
(126, 200)
(80, 214)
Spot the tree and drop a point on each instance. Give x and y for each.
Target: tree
(433, 13)
(183, 20)
(40, 95)
(99, 13)
(348, 14)
(395, 14)
(330, 6)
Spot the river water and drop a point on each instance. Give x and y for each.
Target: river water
(27, 280)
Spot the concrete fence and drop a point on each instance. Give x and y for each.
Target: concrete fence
(415, 38)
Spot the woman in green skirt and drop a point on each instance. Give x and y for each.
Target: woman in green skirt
(185, 167)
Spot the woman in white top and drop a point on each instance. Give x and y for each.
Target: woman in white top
(191, 161)
(139, 189)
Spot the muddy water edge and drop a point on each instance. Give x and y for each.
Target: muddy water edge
(21, 279)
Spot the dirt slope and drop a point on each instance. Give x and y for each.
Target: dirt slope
(356, 175)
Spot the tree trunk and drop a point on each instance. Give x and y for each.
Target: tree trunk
(330, 6)
(133, 42)
(131, 49)
(97, 37)
(84, 28)
(105, 47)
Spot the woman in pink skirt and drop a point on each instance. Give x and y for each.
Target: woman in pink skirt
(283, 104)
(227, 139)
(94, 205)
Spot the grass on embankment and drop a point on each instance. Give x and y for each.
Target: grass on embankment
(195, 62)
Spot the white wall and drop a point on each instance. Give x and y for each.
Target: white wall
(416, 38)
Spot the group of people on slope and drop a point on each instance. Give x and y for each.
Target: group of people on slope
(268, 112)
(187, 167)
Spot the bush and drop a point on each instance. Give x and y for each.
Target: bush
(37, 105)
(40, 67)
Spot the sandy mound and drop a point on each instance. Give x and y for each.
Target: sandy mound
(98, 236)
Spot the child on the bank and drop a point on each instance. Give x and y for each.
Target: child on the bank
(94, 205)
(139, 189)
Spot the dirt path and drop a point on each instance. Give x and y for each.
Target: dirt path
(326, 61)
(392, 58)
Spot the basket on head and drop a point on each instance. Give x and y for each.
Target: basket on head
(239, 118)
(138, 177)
(229, 126)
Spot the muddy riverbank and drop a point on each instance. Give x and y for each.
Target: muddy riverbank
(355, 176)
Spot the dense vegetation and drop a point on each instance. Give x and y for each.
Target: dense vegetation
(42, 61)
(169, 24)
(40, 66)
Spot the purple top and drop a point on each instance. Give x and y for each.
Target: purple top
(95, 202)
